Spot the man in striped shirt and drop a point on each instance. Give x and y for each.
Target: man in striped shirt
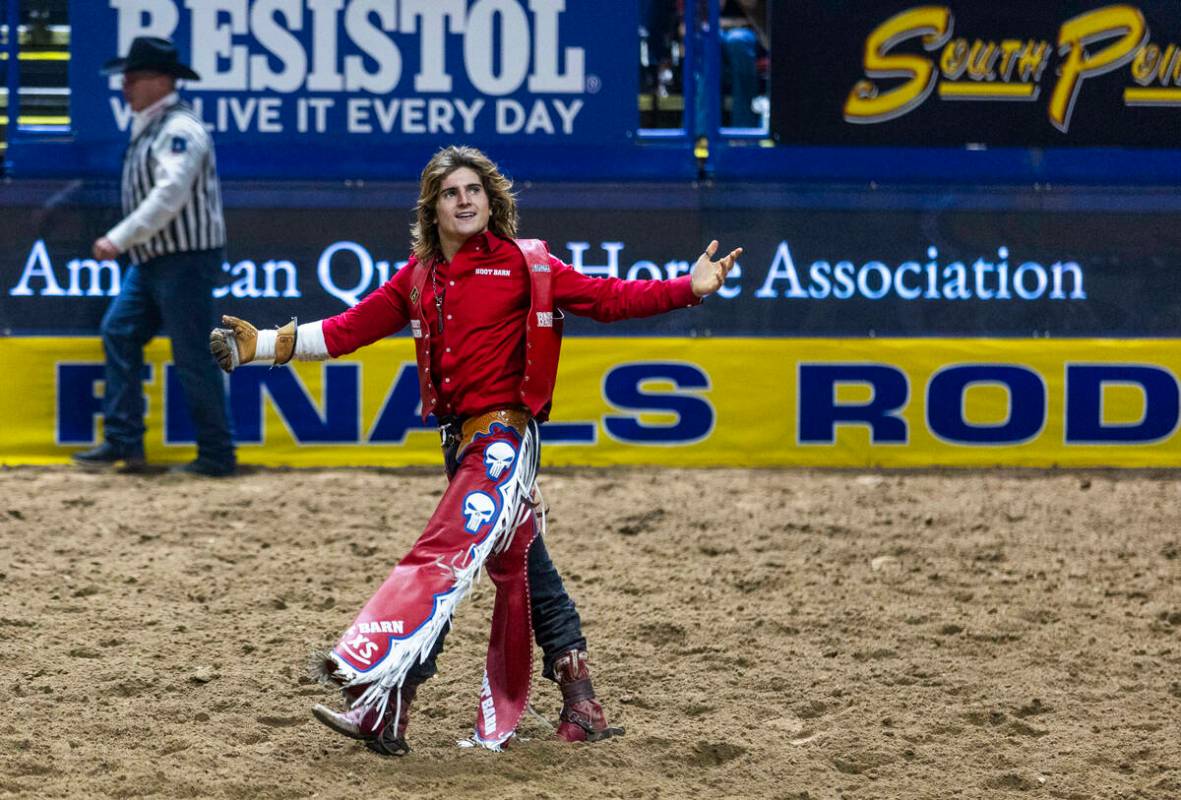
(173, 233)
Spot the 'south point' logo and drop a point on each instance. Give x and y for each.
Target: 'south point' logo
(1088, 45)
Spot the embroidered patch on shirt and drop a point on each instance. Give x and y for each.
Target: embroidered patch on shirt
(540, 267)
(414, 295)
(416, 328)
(545, 319)
(500, 273)
(179, 144)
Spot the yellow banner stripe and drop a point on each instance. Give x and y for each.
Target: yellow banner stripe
(1135, 96)
(986, 91)
(37, 120)
(53, 55)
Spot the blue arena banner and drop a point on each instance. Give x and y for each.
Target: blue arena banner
(367, 88)
(888, 263)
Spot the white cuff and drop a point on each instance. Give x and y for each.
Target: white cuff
(264, 346)
(119, 236)
(309, 342)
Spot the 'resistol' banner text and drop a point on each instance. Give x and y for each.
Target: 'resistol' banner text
(304, 82)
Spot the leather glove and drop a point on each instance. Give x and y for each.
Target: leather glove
(242, 343)
(234, 345)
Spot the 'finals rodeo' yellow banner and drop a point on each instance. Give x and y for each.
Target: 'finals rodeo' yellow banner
(672, 402)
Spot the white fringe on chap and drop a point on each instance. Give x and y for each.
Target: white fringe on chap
(516, 504)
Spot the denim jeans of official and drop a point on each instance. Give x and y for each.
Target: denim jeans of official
(556, 624)
(172, 293)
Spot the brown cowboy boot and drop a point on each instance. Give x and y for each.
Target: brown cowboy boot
(582, 718)
(377, 731)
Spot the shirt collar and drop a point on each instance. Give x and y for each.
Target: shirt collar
(481, 241)
(484, 241)
(140, 120)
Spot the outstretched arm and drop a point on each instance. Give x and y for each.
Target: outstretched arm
(612, 299)
(382, 313)
(709, 275)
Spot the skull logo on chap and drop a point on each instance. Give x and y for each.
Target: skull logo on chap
(478, 508)
(498, 458)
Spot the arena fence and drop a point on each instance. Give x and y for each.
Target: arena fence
(1001, 293)
(893, 328)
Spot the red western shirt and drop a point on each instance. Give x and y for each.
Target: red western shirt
(477, 356)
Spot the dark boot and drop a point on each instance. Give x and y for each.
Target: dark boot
(109, 454)
(377, 731)
(582, 718)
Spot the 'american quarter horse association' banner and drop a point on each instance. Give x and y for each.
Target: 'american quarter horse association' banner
(327, 86)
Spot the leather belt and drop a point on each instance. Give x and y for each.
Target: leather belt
(515, 418)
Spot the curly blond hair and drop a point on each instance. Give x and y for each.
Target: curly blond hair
(502, 220)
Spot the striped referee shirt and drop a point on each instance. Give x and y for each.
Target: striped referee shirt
(171, 195)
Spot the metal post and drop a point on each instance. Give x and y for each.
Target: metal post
(702, 78)
(689, 67)
(712, 74)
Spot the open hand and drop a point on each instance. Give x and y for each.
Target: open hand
(708, 275)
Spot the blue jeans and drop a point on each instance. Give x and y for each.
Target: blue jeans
(556, 624)
(739, 60)
(173, 292)
(740, 77)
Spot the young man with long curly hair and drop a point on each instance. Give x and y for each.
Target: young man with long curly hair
(485, 310)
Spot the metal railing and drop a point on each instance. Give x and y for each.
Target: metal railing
(11, 69)
(34, 90)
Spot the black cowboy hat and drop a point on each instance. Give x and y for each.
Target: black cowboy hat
(151, 54)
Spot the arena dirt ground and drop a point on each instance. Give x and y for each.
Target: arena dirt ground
(761, 634)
